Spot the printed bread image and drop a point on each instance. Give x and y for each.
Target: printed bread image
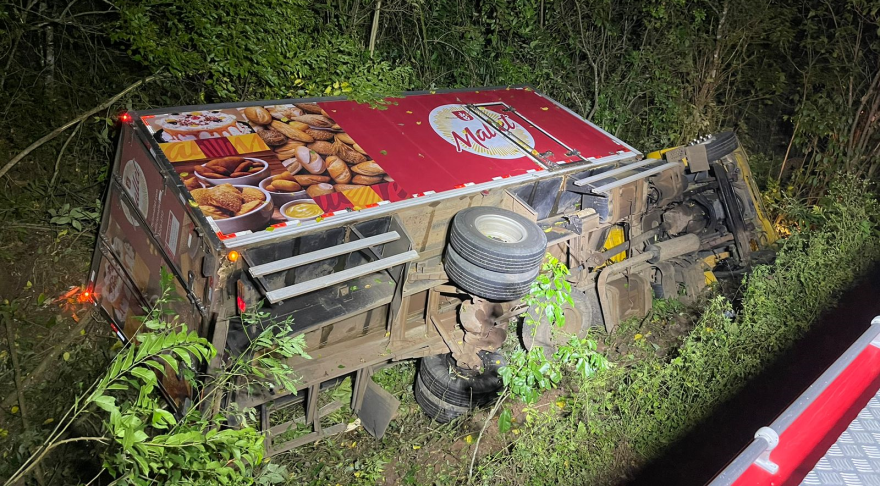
(295, 152)
(235, 208)
(226, 201)
(314, 151)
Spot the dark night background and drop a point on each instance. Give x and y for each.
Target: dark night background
(799, 81)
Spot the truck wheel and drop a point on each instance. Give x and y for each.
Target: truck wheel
(463, 388)
(720, 144)
(487, 283)
(445, 392)
(587, 303)
(497, 239)
(434, 407)
(585, 314)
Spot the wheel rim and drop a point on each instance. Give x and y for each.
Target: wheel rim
(500, 228)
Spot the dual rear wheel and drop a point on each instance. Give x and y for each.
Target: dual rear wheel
(446, 392)
(494, 254)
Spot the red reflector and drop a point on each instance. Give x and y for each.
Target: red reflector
(125, 117)
(241, 304)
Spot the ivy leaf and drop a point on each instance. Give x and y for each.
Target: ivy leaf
(170, 361)
(162, 419)
(185, 356)
(142, 463)
(147, 376)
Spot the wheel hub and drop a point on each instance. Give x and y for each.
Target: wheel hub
(500, 228)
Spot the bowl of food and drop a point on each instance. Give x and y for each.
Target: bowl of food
(198, 125)
(235, 208)
(285, 191)
(238, 171)
(301, 210)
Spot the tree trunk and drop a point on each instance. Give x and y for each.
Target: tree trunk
(48, 54)
(375, 28)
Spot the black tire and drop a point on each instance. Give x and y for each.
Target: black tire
(579, 318)
(497, 239)
(587, 303)
(434, 407)
(462, 388)
(487, 283)
(721, 144)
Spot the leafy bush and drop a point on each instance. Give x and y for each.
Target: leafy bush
(243, 49)
(206, 444)
(532, 372)
(77, 217)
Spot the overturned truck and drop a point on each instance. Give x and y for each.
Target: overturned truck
(406, 231)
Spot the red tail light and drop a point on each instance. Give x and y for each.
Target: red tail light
(239, 298)
(85, 296)
(241, 305)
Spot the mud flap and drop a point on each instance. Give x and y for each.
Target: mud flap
(377, 409)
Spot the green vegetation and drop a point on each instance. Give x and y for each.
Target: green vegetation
(799, 81)
(209, 41)
(532, 372)
(145, 442)
(799, 78)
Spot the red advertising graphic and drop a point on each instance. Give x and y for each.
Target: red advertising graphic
(284, 163)
(438, 142)
(252, 168)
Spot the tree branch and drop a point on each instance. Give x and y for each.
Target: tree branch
(851, 139)
(58, 131)
(19, 391)
(485, 426)
(375, 28)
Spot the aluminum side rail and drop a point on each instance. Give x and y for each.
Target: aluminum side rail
(768, 438)
(275, 296)
(316, 256)
(613, 172)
